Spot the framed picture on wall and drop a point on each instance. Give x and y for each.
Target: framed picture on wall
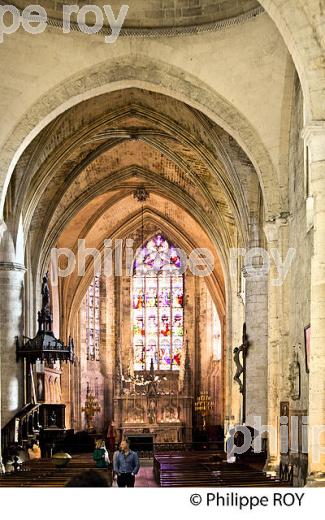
(307, 346)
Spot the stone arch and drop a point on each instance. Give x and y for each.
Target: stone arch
(173, 194)
(149, 75)
(305, 42)
(176, 236)
(226, 175)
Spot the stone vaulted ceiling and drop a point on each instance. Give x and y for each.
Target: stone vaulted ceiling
(164, 13)
(77, 179)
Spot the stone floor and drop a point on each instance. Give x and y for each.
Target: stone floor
(145, 477)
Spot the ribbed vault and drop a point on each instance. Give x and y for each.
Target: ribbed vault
(183, 89)
(77, 178)
(123, 221)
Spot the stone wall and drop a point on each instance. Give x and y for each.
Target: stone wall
(301, 239)
(298, 294)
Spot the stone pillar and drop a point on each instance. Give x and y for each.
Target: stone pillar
(271, 230)
(276, 232)
(11, 325)
(314, 136)
(256, 362)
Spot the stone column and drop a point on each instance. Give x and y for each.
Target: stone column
(11, 325)
(314, 136)
(276, 232)
(271, 230)
(256, 362)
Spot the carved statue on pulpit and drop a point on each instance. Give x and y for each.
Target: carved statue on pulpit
(52, 419)
(44, 316)
(45, 292)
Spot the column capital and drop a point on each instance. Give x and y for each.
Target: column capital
(314, 136)
(271, 227)
(12, 266)
(258, 273)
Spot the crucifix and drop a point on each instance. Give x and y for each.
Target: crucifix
(240, 375)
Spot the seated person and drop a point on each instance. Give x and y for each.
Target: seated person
(34, 452)
(9, 466)
(22, 454)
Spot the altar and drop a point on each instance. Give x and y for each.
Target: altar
(157, 406)
(160, 433)
(162, 419)
(140, 441)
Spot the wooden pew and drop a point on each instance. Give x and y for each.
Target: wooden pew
(193, 469)
(43, 473)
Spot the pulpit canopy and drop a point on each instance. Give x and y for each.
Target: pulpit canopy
(45, 346)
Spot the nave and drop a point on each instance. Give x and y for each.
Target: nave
(166, 469)
(162, 244)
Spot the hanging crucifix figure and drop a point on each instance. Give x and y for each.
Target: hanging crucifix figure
(240, 354)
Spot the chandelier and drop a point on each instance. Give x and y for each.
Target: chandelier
(203, 407)
(90, 409)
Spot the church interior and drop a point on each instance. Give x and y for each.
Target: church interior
(162, 243)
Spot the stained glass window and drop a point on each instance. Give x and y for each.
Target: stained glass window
(158, 310)
(93, 320)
